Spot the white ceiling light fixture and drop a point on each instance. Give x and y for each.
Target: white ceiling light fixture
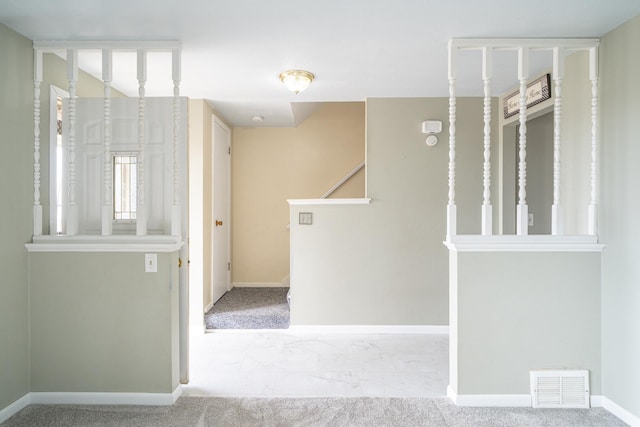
(296, 80)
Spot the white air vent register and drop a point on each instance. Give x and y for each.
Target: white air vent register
(560, 389)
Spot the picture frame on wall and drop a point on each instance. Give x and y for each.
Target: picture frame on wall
(538, 91)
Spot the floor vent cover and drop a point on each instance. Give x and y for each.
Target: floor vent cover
(560, 389)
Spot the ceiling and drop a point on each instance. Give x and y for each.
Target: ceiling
(234, 50)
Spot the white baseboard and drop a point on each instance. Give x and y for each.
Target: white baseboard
(14, 408)
(149, 399)
(490, 400)
(62, 398)
(208, 307)
(258, 285)
(620, 412)
(372, 329)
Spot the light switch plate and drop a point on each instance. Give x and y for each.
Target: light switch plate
(151, 263)
(305, 218)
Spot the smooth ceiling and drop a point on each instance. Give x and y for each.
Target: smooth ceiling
(234, 50)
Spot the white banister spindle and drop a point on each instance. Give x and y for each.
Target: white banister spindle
(37, 80)
(487, 72)
(107, 205)
(451, 205)
(141, 211)
(522, 210)
(176, 210)
(72, 208)
(558, 75)
(592, 222)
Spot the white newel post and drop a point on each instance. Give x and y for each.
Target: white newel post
(141, 210)
(107, 205)
(522, 227)
(37, 79)
(559, 56)
(487, 72)
(176, 210)
(592, 223)
(72, 207)
(451, 205)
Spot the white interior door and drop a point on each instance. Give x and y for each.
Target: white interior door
(221, 230)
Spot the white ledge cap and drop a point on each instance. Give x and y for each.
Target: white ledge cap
(84, 243)
(308, 202)
(530, 243)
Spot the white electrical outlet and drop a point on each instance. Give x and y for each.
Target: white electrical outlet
(530, 220)
(151, 263)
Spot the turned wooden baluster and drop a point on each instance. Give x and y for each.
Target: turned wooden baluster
(72, 207)
(559, 56)
(107, 205)
(592, 222)
(37, 80)
(451, 205)
(487, 71)
(523, 210)
(141, 210)
(176, 210)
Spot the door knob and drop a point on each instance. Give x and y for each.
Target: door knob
(218, 223)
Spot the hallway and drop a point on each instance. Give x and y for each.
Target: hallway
(305, 364)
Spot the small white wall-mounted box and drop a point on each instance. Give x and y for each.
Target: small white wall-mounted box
(432, 126)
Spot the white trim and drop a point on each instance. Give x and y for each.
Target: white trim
(343, 180)
(52, 45)
(620, 412)
(307, 202)
(372, 329)
(534, 43)
(208, 307)
(64, 398)
(14, 408)
(147, 399)
(596, 401)
(258, 285)
(490, 400)
(523, 243)
(104, 244)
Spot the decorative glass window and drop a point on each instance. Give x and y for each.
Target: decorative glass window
(125, 180)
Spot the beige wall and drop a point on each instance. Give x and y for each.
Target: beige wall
(271, 165)
(16, 193)
(99, 323)
(619, 207)
(384, 263)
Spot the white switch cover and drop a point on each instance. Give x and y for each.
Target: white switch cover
(151, 263)
(305, 218)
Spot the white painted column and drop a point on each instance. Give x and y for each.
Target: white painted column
(72, 207)
(37, 80)
(487, 210)
(141, 210)
(451, 205)
(559, 56)
(522, 227)
(176, 220)
(592, 223)
(107, 205)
